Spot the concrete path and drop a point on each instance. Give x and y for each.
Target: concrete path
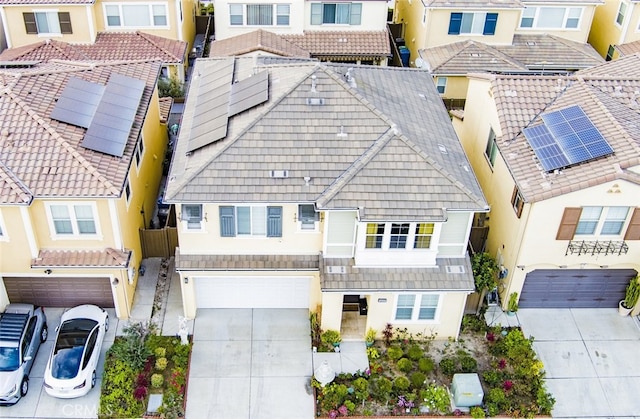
(250, 364)
(591, 360)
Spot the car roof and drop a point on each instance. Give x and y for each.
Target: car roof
(12, 325)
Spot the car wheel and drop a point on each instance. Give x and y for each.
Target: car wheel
(93, 379)
(44, 333)
(106, 324)
(24, 387)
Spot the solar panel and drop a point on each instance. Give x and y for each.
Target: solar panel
(566, 137)
(248, 93)
(78, 102)
(115, 114)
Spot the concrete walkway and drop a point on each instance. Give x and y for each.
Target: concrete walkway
(591, 360)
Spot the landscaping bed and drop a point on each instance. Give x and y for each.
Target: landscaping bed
(140, 364)
(410, 375)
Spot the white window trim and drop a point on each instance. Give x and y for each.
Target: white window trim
(274, 23)
(185, 223)
(4, 236)
(75, 235)
(251, 235)
(443, 84)
(624, 16)
(315, 228)
(534, 26)
(148, 4)
(597, 234)
(411, 238)
(48, 34)
(481, 27)
(416, 308)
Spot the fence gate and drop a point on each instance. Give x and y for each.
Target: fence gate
(160, 242)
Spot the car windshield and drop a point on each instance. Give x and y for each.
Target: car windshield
(70, 346)
(9, 359)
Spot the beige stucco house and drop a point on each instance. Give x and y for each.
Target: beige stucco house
(301, 184)
(79, 175)
(559, 161)
(616, 22)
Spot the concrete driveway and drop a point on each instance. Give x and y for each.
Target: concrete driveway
(37, 403)
(591, 360)
(250, 364)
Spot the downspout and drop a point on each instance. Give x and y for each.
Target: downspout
(5, 27)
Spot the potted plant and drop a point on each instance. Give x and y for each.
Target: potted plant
(630, 298)
(512, 306)
(331, 338)
(370, 337)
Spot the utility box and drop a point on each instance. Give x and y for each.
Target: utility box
(467, 390)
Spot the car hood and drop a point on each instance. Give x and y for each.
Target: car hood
(8, 379)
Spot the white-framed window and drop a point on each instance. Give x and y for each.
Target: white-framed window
(399, 235)
(308, 217)
(622, 10)
(417, 307)
(605, 221)
(127, 191)
(73, 220)
(136, 15)
(441, 84)
(259, 14)
(3, 230)
(551, 17)
(491, 151)
(336, 13)
(139, 151)
(191, 216)
(251, 221)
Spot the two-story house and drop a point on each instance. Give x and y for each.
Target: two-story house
(81, 151)
(323, 186)
(616, 22)
(79, 21)
(353, 32)
(559, 161)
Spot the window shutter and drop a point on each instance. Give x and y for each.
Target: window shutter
(227, 222)
(356, 13)
(30, 22)
(520, 204)
(490, 24)
(65, 22)
(316, 13)
(568, 223)
(454, 23)
(633, 231)
(274, 221)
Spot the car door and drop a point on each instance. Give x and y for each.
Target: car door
(30, 344)
(88, 353)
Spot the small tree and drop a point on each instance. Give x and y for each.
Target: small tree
(485, 272)
(170, 87)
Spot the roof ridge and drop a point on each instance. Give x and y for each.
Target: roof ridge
(15, 183)
(64, 143)
(55, 44)
(147, 38)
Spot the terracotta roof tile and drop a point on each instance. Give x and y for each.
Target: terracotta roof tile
(628, 48)
(105, 258)
(165, 108)
(259, 40)
(343, 43)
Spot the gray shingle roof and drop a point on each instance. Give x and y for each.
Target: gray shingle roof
(247, 262)
(376, 144)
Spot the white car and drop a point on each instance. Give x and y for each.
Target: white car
(71, 369)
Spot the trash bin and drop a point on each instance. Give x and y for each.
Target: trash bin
(405, 55)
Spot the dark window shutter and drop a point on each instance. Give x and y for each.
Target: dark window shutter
(517, 206)
(30, 22)
(569, 223)
(274, 221)
(490, 24)
(633, 231)
(227, 222)
(454, 23)
(65, 22)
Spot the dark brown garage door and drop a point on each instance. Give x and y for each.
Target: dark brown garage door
(575, 288)
(59, 292)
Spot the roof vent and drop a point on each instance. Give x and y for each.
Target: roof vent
(279, 174)
(314, 83)
(315, 101)
(474, 54)
(349, 78)
(443, 149)
(341, 133)
(336, 270)
(617, 91)
(531, 43)
(455, 269)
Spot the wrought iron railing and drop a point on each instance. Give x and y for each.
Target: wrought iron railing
(597, 247)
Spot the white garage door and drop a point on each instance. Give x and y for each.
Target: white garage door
(252, 292)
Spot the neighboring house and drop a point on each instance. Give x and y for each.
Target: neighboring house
(323, 186)
(353, 32)
(615, 23)
(434, 23)
(559, 161)
(110, 46)
(258, 42)
(79, 175)
(79, 21)
(527, 54)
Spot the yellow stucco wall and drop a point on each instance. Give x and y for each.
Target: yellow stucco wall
(604, 31)
(456, 87)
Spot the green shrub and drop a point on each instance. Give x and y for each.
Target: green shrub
(491, 377)
(436, 398)
(351, 406)
(395, 352)
(405, 365)
(157, 380)
(382, 389)
(170, 87)
(497, 396)
(426, 365)
(545, 401)
(447, 366)
(118, 382)
(160, 352)
(477, 412)
(360, 388)
(372, 353)
(401, 384)
(334, 395)
(161, 364)
(330, 337)
(468, 364)
(417, 380)
(132, 347)
(415, 352)
(492, 409)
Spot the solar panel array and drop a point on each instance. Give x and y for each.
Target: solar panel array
(78, 102)
(249, 92)
(114, 116)
(566, 137)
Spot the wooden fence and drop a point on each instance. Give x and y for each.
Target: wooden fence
(161, 242)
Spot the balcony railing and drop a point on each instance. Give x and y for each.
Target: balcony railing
(597, 247)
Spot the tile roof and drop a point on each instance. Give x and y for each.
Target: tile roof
(112, 46)
(527, 53)
(165, 108)
(105, 258)
(383, 143)
(247, 262)
(364, 44)
(608, 94)
(396, 279)
(628, 48)
(42, 157)
(259, 40)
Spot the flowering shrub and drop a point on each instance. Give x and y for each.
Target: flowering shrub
(140, 393)
(507, 385)
(502, 363)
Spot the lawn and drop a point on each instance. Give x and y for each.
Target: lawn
(140, 364)
(411, 375)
